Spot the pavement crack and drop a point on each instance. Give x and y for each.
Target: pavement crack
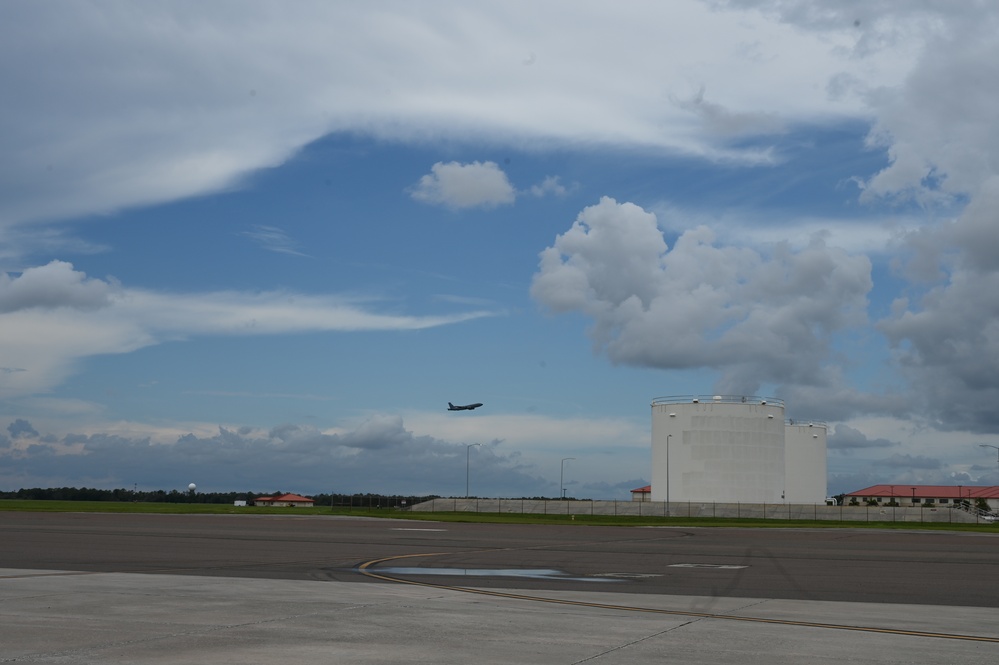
(638, 641)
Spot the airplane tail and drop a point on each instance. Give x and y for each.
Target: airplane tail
(450, 405)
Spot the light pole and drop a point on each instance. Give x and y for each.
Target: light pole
(668, 437)
(561, 477)
(989, 445)
(468, 450)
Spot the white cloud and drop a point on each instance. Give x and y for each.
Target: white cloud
(53, 316)
(52, 286)
(933, 114)
(843, 437)
(273, 239)
(458, 186)
(140, 105)
(939, 126)
(545, 435)
(380, 454)
(757, 318)
(923, 455)
(719, 121)
(872, 234)
(550, 185)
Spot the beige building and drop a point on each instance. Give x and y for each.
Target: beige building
(735, 449)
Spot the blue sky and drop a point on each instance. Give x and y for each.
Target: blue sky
(260, 249)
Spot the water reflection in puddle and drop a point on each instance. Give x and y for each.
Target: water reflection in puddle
(534, 573)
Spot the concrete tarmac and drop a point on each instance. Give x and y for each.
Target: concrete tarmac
(127, 618)
(208, 605)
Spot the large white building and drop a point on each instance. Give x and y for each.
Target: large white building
(735, 449)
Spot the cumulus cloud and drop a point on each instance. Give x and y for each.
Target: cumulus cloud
(756, 318)
(934, 117)
(51, 286)
(946, 338)
(948, 345)
(379, 456)
(378, 433)
(458, 186)
(938, 128)
(53, 316)
(936, 124)
(21, 428)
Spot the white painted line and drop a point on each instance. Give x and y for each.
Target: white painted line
(706, 565)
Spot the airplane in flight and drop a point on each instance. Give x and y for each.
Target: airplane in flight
(467, 407)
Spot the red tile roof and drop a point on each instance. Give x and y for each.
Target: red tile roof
(930, 491)
(285, 497)
(647, 488)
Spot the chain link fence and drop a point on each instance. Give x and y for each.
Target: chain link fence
(765, 511)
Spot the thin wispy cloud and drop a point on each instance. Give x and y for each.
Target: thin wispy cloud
(273, 239)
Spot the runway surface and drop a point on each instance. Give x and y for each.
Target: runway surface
(632, 594)
(860, 565)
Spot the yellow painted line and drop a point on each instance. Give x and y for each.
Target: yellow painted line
(365, 569)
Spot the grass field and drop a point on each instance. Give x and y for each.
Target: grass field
(504, 518)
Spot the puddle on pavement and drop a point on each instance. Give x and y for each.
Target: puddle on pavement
(533, 573)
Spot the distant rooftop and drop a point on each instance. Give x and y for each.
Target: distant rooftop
(904, 490)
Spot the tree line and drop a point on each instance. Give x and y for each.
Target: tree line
(176, 496)
(356, 500)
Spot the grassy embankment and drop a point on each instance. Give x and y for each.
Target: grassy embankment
(494, 518)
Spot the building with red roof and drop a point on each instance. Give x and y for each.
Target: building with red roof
(286, 500)
(914, 495)
(642, 493)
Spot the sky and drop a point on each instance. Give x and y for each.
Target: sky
(259, 246)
